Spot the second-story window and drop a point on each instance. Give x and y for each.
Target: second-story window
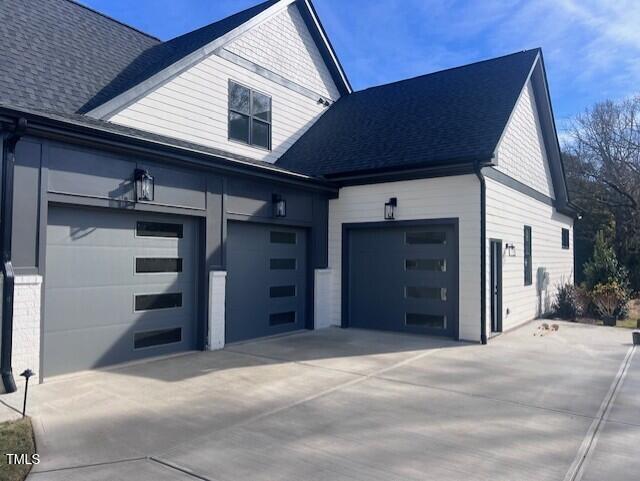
(249, 116)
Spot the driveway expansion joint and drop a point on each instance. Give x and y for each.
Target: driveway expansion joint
(576, 470)
(179, 468)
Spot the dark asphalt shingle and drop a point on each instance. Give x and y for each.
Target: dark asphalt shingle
(59, 55)
(441, 118)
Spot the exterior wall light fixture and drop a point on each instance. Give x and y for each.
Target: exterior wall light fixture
(510, 249)
(390, 208)
(145, 188)
(279, 206)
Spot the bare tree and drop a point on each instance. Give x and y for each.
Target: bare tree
(604, 170)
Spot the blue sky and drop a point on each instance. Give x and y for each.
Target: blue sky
(591, 47)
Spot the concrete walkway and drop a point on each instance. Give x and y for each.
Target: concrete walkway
(353, 405)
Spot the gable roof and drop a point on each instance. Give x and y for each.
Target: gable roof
(448, 117)
(171, 58)
(60, 55)
(162, 55)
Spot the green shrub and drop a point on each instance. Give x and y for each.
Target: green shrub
(610, 301)
(566, 305)
(604, 267)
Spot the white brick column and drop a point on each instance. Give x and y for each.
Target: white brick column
(217, 296)
(323, 300)
(26, 325)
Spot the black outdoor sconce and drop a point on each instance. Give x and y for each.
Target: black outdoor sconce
(279, 206)
(390, 208)
(145, 188)
(511, 249)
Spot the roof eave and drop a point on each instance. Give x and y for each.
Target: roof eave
(48, 127)
(311, 18)
(449, 167)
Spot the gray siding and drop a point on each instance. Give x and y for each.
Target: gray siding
(90, 173)
(26, 199)
(49, 171)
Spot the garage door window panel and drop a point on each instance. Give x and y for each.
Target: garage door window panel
(432, 321)
(281, 318)
(159, 229)
(158, 265)
(159, 337)
(426, 238)
(436, 265)
(152, 302)
(422, 292)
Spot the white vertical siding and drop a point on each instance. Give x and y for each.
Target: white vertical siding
(193, 107)
(521, 153)
(445, 197)
(284, 46)
(508, 211)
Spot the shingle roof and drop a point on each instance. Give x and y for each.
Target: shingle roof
(62, 56)
(441, 118)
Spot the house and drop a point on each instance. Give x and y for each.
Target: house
(229, 184)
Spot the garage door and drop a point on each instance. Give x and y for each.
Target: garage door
(120, 286)
(404, 279)
(266, 280)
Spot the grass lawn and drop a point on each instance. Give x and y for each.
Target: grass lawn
(15, 437)
(631, 322)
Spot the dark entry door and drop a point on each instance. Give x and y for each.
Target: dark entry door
(266, 280)
(403, 278)
(496, 286)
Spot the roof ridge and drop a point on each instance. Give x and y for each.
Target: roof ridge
(538, 49)
(115, 20)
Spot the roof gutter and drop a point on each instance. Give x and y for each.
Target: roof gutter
(459, 166)
(6, 214)
(483, 251)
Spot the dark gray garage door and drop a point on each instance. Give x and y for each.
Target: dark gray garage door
(266, 280)
(120, 286)
(403, 278)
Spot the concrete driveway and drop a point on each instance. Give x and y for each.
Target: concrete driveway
(353, 405)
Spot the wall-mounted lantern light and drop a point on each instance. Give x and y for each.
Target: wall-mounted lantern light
(510, 249)
(145, 188)
(279, 206)
(390, 208)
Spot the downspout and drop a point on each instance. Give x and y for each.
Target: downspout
(483, 253)
(6, 219)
